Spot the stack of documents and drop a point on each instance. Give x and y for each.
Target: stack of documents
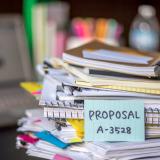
(99, 56)
(57, 129)
(50, 139)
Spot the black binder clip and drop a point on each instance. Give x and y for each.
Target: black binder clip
(60, 123)
(158, 63)
(157, 69)
(158, 111)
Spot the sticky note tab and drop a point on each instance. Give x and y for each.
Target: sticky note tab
(76, 140)
(60, 157)
(28, 139)
(78, 125)
(47, 136)
(114, 120)
(31, 86)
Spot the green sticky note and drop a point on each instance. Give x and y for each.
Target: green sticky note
(114, 120)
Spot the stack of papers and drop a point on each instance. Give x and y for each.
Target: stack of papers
(100, 56)
(57, 130)
(45, 138)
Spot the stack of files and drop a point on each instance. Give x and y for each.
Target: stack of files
(56, 129)
(61, 97)
(99, 56)
(67, 84)
(47, 139)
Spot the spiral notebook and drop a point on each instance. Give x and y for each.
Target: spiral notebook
(152, 115)
(58, 112)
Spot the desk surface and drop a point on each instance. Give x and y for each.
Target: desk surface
(8, 149)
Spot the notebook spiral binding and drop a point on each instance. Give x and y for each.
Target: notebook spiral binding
(152, 116)
(63, 112)
(76, 111)
(63, 104)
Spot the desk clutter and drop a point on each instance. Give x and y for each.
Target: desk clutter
(97, 102)
(50, 32)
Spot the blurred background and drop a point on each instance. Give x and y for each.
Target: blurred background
(34, 30)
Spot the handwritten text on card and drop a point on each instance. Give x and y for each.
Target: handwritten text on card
(118, 120)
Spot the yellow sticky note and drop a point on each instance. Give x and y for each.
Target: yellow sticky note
(76, 140)
(78, 125)
(31, 86)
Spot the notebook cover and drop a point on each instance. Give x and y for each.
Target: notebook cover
(95, 44)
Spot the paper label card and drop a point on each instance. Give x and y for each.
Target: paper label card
(114, 120)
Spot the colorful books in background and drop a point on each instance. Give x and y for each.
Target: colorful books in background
(27, 12)
(49, 21)
(46, 29)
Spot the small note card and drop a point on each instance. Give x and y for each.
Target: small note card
(114, 120)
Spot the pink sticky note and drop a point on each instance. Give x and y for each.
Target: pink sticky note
(36, 92)
(27, 138)
(37, 121)
(60, 157)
